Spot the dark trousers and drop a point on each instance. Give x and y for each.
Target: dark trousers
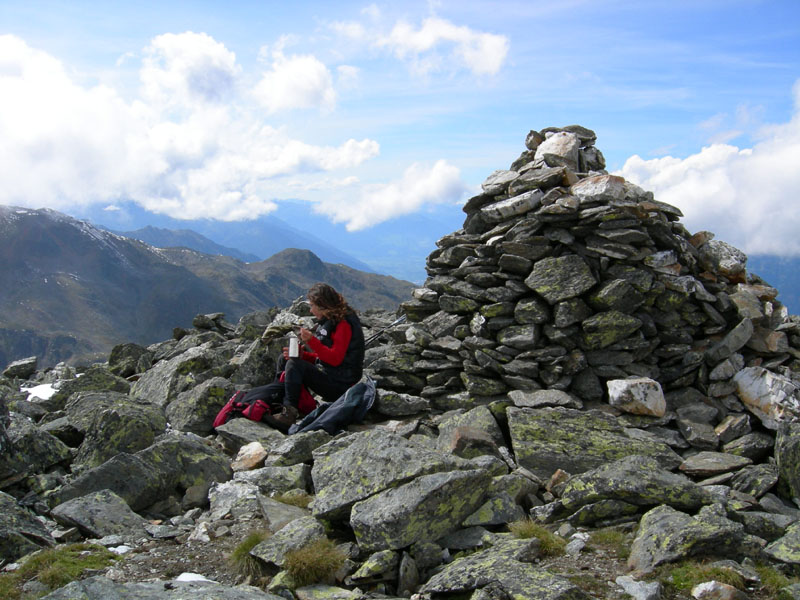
(299, 373)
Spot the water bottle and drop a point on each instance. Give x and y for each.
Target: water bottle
(294, 346)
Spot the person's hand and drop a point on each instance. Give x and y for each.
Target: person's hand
(305, 334)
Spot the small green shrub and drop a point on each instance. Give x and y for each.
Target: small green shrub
(611, 540)
(55, 567)
(551, 544)
(242, 562)
(315, 562)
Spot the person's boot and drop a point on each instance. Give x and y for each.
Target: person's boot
(282, 420)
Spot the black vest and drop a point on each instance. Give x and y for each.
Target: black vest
(352, 367)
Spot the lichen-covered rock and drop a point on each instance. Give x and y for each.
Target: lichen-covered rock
(720, 257)
(506, 571)
(194, 410)
(708, 464)
(293, 536)
(238, 432)
(637, 480)
(786, 548)
(607, 328)
(276, 480)
(480, 418)
(787, 456)
(393, 404)
(424, 509)
(359, 466)
(511, 207)
(22, 368)
(548, 439)
(378, 565)
(277, 514)
(20, 531)
(296, 449)
(102, 588)
(667, 535)
(94, 379)
(173, 463)
(100, 514)
(168, 378)
(128, 359)
(31, 450)
(125, 426)
(557, 279)
(497, 510)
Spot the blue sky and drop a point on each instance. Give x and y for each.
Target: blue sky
(366, 121)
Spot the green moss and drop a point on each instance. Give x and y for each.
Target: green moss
(315, 562)
(55, 567)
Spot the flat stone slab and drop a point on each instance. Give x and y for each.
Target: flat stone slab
(548, 439)
(507, 565)
(707, 464)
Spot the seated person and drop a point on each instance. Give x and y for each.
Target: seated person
(335, 358)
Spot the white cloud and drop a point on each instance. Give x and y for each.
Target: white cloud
(419, 186)
(481, 53)
(177, 150)
(747, 197)
(188, 68)
(297, 81)
(436, 45)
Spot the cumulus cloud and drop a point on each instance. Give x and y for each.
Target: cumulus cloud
(436, 45)
(180, 149)
(420, 185)
(188, 68)
(296, 81)
(746, 196)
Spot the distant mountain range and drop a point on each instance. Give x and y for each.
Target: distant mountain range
(71, 291)
(184, 238)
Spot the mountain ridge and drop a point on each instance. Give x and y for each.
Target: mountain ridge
(72, 290)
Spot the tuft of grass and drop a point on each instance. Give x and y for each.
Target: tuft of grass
(300, 500)
(690, 573)
(56, 567)
(315, 562)
(611, 540)
(773, 581)
(551, 544)
(240, 559)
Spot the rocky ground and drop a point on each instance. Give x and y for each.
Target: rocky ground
(595, 569)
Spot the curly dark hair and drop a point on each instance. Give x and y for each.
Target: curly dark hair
(329, 301)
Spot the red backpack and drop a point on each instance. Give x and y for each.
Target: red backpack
(266, 399)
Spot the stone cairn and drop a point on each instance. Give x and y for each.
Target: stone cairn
(567, 278)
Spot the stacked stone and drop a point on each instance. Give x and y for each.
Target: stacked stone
(564, 277)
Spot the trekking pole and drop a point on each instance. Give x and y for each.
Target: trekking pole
(380, 332)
